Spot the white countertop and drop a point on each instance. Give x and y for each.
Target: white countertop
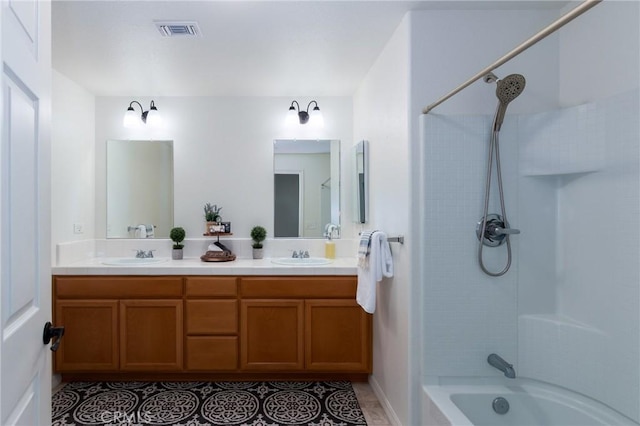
(195, 266)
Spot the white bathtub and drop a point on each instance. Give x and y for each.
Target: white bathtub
(466, 402)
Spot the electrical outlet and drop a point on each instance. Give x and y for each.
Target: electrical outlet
(78, 228)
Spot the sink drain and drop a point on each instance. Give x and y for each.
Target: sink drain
(500, 405)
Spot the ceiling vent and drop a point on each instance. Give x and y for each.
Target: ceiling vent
(178, 28)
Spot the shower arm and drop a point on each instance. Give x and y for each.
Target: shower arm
(551, 28)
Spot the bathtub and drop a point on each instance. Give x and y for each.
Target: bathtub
(466, 402)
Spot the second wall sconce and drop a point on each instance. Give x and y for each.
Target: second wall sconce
(304, 117)
(151, 117)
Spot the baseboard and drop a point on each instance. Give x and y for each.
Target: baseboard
(382, 398)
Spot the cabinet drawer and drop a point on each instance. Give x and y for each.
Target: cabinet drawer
(212, 316)
(101, 287)
(212, 286)
(304, 287)
(212, 353)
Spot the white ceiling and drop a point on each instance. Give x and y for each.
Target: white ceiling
(247, 48)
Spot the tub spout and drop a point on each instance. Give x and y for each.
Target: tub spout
(496, 361)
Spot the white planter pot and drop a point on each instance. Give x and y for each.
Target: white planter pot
(258, 253)
(176, 254)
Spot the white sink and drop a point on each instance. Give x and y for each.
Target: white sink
(132, 261)
(301, 261)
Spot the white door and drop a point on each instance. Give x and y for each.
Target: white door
(25, 280)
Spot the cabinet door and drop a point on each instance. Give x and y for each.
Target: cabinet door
(90, 341)
(271, 335)
(337, 336)
(151, 335)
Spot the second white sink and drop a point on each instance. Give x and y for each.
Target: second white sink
(301, 261)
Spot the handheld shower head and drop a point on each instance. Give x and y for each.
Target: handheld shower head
(507, 90)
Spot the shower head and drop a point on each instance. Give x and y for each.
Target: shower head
(507, 90)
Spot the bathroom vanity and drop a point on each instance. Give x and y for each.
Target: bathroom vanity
(211, 327)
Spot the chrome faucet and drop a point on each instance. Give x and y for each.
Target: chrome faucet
(329, 229)
(300, 254)
(141, 254)
(496, 361)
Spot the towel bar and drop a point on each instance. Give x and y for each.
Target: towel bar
(398, 239)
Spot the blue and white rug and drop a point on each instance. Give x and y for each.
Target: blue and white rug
(207, 403)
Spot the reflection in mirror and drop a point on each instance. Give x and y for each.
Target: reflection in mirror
(306, 187)
(139, 189)
(361, 191)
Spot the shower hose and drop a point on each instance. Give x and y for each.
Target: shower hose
(493, 147)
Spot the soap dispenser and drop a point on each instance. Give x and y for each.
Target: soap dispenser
(329, 245)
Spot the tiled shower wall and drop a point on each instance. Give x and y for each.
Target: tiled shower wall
(467, 314)
(568, 311)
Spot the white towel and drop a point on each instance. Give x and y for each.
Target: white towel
(380, 265)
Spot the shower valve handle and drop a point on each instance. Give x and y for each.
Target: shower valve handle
(503, 231)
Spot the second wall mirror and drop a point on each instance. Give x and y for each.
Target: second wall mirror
(306, 187)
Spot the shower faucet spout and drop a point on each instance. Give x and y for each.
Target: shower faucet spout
(496, 361)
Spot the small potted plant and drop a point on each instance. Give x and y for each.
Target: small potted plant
(258, 234)
(212, 217)
(177, 236)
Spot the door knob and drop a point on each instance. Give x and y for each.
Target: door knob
(51, 332)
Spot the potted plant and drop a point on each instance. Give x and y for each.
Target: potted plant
(258, 234)
(177, 236)
(212, 217)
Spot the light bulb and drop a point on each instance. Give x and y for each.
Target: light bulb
(315, 118)
(130, 119)
(292, 116)
(153, 117)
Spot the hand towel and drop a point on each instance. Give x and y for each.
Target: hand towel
(380, 265)
(141, 231)
(150, 231)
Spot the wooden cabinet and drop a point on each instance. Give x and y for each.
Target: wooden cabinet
(90, 342)
(151, 335)
(272, 335)
(119, 323)
(337, 336)
(303, 323)
(211, 324)
(211, 328)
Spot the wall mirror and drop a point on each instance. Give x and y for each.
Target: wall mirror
(306, 187)
(139, 189)
(361, 181)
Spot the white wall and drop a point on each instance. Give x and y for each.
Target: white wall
(380, 116)
(72, 161)
(223, 153)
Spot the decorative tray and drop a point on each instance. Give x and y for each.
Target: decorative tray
(218, 256)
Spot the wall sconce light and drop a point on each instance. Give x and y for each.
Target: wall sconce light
(304, 117)
(151, 117)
